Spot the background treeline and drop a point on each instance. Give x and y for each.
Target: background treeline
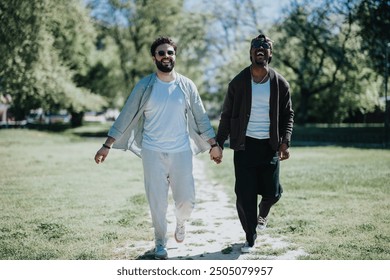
(87, 55)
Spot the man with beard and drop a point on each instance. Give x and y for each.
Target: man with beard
(257, 116)
(164, 122)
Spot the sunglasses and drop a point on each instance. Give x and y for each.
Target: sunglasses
(169, 53)
(260, 43)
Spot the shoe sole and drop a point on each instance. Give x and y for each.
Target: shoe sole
(260, 227)
(246, 251)
(177, 240)
(161, 258)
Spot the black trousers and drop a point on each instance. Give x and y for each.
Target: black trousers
(257, 173)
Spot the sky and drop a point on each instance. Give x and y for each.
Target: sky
(271, 8)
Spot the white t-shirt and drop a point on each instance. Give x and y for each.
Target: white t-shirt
(165, 127)
(259, 121)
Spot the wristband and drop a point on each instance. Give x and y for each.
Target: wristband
(214, 145)
(106, 146)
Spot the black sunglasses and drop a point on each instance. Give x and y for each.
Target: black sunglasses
(257, 43)
(162, 53)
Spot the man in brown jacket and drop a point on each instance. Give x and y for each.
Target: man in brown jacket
(257, 117)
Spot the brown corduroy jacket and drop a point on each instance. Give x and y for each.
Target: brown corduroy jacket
(237, 108)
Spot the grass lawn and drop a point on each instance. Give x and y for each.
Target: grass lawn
(336, 201)
(56, 203)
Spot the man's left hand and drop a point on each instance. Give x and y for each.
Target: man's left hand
(216, 154)
(284, 152)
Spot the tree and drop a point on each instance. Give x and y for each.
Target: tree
(19, 50)
(44, 47)
(133, 25)
(373, 17)
(316, 48)
(229, 27)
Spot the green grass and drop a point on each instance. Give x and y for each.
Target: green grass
(336, 201)
(56, 203)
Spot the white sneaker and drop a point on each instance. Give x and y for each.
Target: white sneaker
(180, 232)
(261, 223)
(246, 248)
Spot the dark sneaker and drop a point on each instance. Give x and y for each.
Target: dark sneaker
(261, 223)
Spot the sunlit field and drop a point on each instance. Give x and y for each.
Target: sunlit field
(336, 201)
(56, 203)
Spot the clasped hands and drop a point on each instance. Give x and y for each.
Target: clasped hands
(216, 154)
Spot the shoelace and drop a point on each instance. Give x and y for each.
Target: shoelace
(261, 220)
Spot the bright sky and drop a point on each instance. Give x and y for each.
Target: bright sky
(271, 8)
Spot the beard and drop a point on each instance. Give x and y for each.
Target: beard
(260, 62)
(165, 68)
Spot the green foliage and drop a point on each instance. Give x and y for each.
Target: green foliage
(373, 17)
(66, 55)
(317, 48)
(328, 80)
(133, 25)
(229, 27)
(44, 45)
(19, 48)
(52, 230)
(104, 77)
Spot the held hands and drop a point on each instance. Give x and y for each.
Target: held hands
(216, 154)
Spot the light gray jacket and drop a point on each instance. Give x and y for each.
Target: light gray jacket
(127, 129)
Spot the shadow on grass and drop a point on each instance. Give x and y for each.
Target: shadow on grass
(91, 134)
(91, 130)
(233, 252)
(88, 130)
(54, 127)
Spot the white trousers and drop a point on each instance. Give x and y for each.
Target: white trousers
(161, 171)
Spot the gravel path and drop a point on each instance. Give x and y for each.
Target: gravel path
(214, 231)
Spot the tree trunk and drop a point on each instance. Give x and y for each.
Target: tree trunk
(77, 119)
(302, 114)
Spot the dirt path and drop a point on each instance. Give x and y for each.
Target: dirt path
(214, 231)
